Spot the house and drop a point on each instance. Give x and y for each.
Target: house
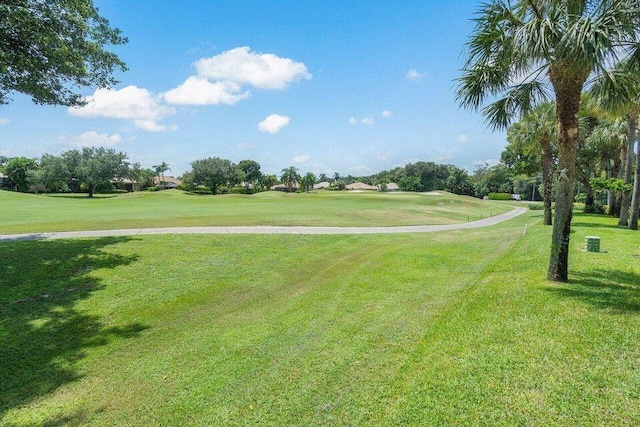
(360, 186)
(321, 185)
(169, 182)
(392, 186)
(127, 184)
(5, 183)
(282, 187)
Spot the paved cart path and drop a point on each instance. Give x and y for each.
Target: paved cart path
(485, 222)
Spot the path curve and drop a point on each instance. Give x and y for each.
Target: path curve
(485, 222)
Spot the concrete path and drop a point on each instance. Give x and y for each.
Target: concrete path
(270, 229)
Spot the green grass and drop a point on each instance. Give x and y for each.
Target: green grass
(456, 328)
(29, 213)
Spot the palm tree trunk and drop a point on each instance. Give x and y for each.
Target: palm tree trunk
(614, 202)
(635, 200)
(568, 86)
(589, 203)
(628, 165)
(547, 178)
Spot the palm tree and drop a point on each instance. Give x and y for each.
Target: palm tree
(610, 139)
(308, 181)
(635, 199)
(161, 169)
(290, 177)
(524, 51)
(539, 127)
(630, 110)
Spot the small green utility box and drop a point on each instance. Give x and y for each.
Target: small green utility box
(592, 243)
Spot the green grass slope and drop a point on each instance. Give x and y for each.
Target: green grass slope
(456, 328)
(27, 213)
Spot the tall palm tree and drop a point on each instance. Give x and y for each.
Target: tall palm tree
(526, 50)
(160, 170)
(631, 111)
(538, 126)
(308, 181)
(635, 199)
(290, 177)
(610, 139)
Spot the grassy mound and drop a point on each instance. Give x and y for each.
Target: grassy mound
(28, 213)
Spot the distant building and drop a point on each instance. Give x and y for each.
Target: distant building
(282, 187)
(392, 186)
(360, 186)
(169, 182)
(5, 183)
(321, 185)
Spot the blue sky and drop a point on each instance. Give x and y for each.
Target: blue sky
(331, 86)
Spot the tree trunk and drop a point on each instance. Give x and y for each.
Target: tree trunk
(547, 178)
(635, 200)
(614, 198)
(567, 83)
(632, 121)
(589, 203)
(90, 188)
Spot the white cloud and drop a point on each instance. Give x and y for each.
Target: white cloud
(199, 91)
(462, 138)
(387, 114)
(352, 121)
(301, 159)
(414, 74)
(92, 139)
(152, 126)
(384, 155)
(265, 71)
(130, 103)
(443, 155)
(367, 121)
(245, 146)
(4, 121)
(362, 168)
(273, 123)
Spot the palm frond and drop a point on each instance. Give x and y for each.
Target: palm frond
(616, 88)
(519, 100)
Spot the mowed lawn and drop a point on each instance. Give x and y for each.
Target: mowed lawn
(455, 328)
(30, 213)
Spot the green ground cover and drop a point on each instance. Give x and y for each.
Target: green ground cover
(455, 328)
(28, 213)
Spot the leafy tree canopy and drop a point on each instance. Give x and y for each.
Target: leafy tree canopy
(96, 168)
(214, 172)
(51, 48)
(20, 170)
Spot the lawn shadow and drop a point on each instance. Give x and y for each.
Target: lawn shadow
(595, 225)
(42, 333)
(80, 196)
(618, 291)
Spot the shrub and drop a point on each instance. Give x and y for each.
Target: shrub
(499, 196)
(535, 207)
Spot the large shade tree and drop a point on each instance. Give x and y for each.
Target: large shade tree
(525, 51)
(96, 167)
(214, 172)
(49, 49)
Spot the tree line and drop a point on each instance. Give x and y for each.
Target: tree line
(96, 169)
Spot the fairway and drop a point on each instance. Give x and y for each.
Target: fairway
(428, 329)
(29, 213)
